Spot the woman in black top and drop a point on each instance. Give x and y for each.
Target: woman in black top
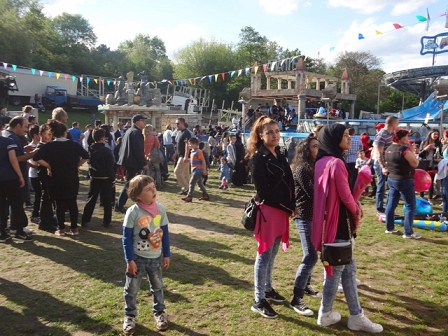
(401, 163)
(274, 187)
(303, 173)
(239, 176)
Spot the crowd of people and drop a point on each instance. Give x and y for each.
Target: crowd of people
(312, 183)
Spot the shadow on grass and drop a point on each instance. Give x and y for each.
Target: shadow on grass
(208, 249)
(207, 225)
(425, 313)
(40, 310)
(73, 253)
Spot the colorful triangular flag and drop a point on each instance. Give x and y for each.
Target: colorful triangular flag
(397, 26)
(41, 73)
(265, 67)
(239, 72)
(223, 75)
(273, 64)
(5, 65)
(210, 78)
(360, 36)
(378, 32)
(14, 67)
(33, 71)
(58, 75)
(232, 73)
(216, 77)
(50, 74)
(421, 18)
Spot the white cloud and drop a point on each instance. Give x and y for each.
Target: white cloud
(399, 49)
(399, 7)
(279, 7)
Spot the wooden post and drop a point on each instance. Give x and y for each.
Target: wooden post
(211, 112)
(231, 106)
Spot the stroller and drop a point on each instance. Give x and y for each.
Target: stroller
(216, 154)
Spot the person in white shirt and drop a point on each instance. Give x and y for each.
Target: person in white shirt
(168, 142)
(235, 123)
(87, 129)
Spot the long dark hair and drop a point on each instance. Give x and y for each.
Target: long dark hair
(302, 154)
(437, 142)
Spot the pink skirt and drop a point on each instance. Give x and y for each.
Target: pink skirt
(274, 224)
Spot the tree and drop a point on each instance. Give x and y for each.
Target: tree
(73, 30)
(365, 75)
(202, 58)
(146, 53)
(393, 100)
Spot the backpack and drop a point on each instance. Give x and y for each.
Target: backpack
(156, 156)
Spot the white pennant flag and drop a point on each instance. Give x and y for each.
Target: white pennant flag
(273, 65)
(239, 72)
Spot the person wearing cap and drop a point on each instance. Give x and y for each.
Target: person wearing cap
(131, 156)
(378, 127)
(382, 140)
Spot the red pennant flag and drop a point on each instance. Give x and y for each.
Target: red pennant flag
(397, 26)
(102, 81)
(264, 67)
(194, 81)
(223, 75)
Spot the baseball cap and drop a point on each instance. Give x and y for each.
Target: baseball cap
(379, 126)
(138, 117)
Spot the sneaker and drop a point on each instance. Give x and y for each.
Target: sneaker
(358, 282)
(28, 230)
(182, 192)
(12, 231)
(264, 309)
(225, 187)
(60, 233)
(361, 322)
(204, 198)
(161, 321)
(414, 235)
(35, 220)
(29, 205)
(310, 291)
(273, 296)
(392, 231)
(340, 289)
(22, 238)
(4, 238)
(300, 307)
(121, 210)
(75, 232)
(187, 199)
(326, 319)
(221, 187)
(129, 325)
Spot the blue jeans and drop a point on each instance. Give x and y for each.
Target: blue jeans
(346, 275)
(263, 270)
(406, 189)
(153, 269)
(309, 259)
(380, 188)
(445, 194)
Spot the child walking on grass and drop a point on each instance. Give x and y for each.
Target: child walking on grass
(225, 169)
(146, 245)
(198, 169)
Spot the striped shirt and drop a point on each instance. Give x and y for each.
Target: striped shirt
(196, 158)
(382, 139)
(352, 153)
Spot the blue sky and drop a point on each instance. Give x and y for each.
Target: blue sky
(311, 25)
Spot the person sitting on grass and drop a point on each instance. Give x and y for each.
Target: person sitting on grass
(102, 178)
(146, 245)
(198, 169)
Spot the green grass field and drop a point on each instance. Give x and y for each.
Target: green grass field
(73, 286)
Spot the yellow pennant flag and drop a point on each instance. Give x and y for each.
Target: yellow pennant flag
(216, 77)
(189, 79)
(95, 80)
(378, 32)
(58, 75)
(256, 69)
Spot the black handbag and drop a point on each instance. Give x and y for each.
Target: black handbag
(335, 254)
(249, 217)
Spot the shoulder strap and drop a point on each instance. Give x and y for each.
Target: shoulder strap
(326, 199)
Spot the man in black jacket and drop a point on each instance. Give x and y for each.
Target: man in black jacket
(102, 178)
(132, 156)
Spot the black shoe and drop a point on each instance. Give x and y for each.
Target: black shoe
(273, 296)
(182, 192)
(121, 210)
(300, 307)
(22, 238)
(310, 291)
(84, 224)
(4, 238)
(165, 177)
(264, 309)
(106, 225)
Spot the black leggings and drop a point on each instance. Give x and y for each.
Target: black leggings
(61, 206)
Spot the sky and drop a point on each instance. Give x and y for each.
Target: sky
(318, 28)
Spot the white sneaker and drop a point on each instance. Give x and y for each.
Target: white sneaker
(358, 282)
(392, 231)
(340, 288)
(361, 322)
(27, 230)
(129, 325)
(326, 319)
(414, 235)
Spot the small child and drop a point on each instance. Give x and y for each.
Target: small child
(146, 245)
(198, 168)
(102, 178)
(361, 160)
(224, 177)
